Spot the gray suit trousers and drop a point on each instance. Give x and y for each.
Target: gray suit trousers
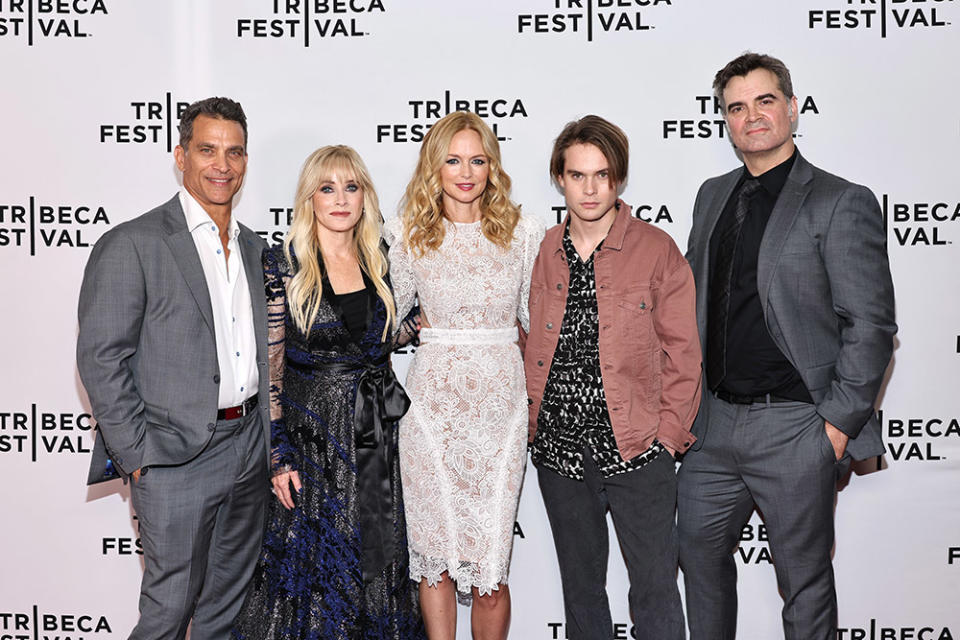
(201, 525)
(778, 456)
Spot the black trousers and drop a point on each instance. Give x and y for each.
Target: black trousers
(642, 504)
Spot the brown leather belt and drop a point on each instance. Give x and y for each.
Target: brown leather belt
(232, 413)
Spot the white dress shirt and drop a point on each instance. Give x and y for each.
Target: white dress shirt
(230, 298)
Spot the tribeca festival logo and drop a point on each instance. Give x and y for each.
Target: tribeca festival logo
(754, 547)
(874, 630)
(885, 15)
(276, 230)
(126, 545)
(306, 20)
(657, 214)
(590, 17)
(151, 122)
(424, 112)
(36, 224)
(917, 439)
(919, 224)
(620, 631)
(708, 120)
(42, 19)
(35, 433)
(36, 624)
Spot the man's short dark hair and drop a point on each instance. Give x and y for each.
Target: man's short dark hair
(222, 108)
(746, 63)
(604, 135)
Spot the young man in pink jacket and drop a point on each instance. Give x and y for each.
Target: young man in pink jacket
(613, 377)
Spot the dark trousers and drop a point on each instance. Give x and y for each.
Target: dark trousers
(642, 504)
(201, 525)
(778, 456)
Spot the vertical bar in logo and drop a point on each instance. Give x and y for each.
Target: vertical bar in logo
(36, 614)
(33, 224)
(886, 223)
(883, 18)
(30, 25)
(589, 20)
(446, 101)
(33, 429)
(169, 125)
(306, 23)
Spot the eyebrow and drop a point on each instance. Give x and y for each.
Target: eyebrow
(572, 170)
(740, 103)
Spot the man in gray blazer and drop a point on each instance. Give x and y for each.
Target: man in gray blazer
(796, 318)
(172, 352)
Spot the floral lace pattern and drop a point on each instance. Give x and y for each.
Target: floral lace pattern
(463, 442)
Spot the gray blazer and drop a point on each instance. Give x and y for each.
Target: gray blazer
(147, 351)
(825, 286)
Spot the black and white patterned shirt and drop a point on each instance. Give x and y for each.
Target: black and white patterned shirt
(573, 413)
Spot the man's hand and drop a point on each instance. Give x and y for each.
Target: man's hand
(837, 438)
(281, 487)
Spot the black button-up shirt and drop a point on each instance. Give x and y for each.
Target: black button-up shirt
(755, 366)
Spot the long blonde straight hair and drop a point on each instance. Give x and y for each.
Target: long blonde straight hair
(422, 206)
(306, 286)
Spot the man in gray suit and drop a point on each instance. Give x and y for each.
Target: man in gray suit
(172, 352)
(796, 318)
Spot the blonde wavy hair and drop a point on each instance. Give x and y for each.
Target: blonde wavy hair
(306, 287)
(422, 204)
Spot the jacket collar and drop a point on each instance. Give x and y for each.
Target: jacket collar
(614, 239)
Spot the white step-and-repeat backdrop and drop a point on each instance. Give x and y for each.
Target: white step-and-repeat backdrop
(91, 95)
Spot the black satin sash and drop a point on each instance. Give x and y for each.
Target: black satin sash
(380, 399)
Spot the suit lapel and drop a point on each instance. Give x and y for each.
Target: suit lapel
(782, 218)
(188, 261)
(251, 253)
(714, 207)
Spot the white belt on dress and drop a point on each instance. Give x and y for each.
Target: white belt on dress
(506, 335)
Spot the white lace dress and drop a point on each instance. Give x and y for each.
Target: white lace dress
(463, 443)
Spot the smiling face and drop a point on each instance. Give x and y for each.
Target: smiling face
(590, 194)
(214, 163)
(338, 203)
(760, 119)
(463, 176)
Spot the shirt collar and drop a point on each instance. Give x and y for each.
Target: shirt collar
(772, 180)
(196, 216)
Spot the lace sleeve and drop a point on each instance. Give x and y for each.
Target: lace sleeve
(401, 270)
(275, 275)
(533, 231)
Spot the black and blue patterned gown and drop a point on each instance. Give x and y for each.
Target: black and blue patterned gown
(336, 566)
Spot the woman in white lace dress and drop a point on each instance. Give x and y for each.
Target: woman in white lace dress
(463, 248)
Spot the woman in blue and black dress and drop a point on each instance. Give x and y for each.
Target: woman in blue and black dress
(334, 561)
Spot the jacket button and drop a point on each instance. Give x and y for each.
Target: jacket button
(686, 444)
(539, 363)
(559, 286)
(549, 325)
(529, 401)
(616, 408)
(216, 378)
(211, 427)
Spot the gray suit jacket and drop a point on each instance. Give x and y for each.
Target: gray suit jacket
(824, 283)
(147, 351)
